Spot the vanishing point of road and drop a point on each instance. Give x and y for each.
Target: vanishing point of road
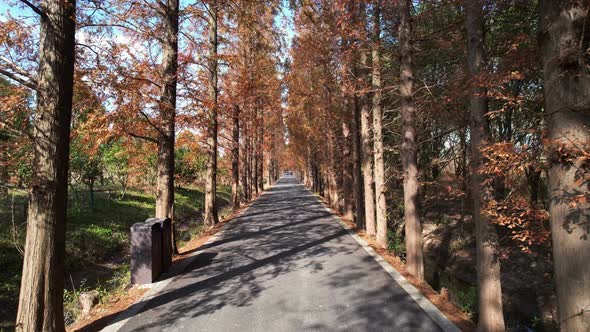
(286, 264)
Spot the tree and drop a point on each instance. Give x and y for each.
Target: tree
(381, 204)
(564, 39)
(489, 290)
(41, 293)
(413, 228)
(144, 89)
(351, 64)
(86, 137)
(366, 146)
(116, 162)
(235, 163)
(85, 164)
(165, 183)
(211, 218)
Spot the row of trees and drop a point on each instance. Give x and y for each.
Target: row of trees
(102, 83)
(479, 100)
(485, 102)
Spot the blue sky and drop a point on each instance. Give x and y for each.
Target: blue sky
(15, 10)
(283, 21)
(18, 9)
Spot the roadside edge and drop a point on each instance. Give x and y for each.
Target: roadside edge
(431, 310)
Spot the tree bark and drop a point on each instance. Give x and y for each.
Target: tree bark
(166, 135)
(564, 38)
(367, 166)
(211, 218)
(251, 142)
(165, 180)
(381, 204)
(235, 164)
(260, 152)
(256, 147)
(366, 146)
(333, 172)
(40, 305)
(348, 169)
(355, 124)
(414, 257)
(491, 318)
(244, 155)
(357, 192)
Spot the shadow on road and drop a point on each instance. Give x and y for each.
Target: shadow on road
(286, 259)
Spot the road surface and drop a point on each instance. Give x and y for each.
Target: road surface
(284, 265)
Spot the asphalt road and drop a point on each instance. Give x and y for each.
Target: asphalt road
(284, 265)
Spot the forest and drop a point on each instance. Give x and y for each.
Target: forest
(453, 134)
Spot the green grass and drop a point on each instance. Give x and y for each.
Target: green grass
(97, 240)
(10, 258)
(464, 295)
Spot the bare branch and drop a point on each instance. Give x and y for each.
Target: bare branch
(14, 67)
(6, 125)
(147, 118)
(34, 8)
(147, 138)
(28, 83)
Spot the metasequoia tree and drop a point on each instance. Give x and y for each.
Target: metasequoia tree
(413, 228)
(235, 157)
(211, 217)
(565, 36)
(212, 83)
(351, 25)
(489, 289)
(315, 99)
(255, 86)
(366, 143)
(144, 89)
(167, 109)
(381, 205)
(42, 282)
(329, 94)
(349, 140)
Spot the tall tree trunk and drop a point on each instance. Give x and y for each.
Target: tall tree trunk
(244, 156)
(338, 169)
(40, 306)
(414, 258)
(211, 218)
(269, 164)
(165, 180)
(355, 126)
(260, 152)
(166, 136)
(348, 168)
(309, 170)
(251, 142)
(255, 154)
(367, 166)
(381, 206)
(366, 145)
(331, 168)
(357, 192)
(235, 163)
(489, 290)
(565, 38)
(256, 166)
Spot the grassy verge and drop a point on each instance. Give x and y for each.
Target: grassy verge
(97, 246)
